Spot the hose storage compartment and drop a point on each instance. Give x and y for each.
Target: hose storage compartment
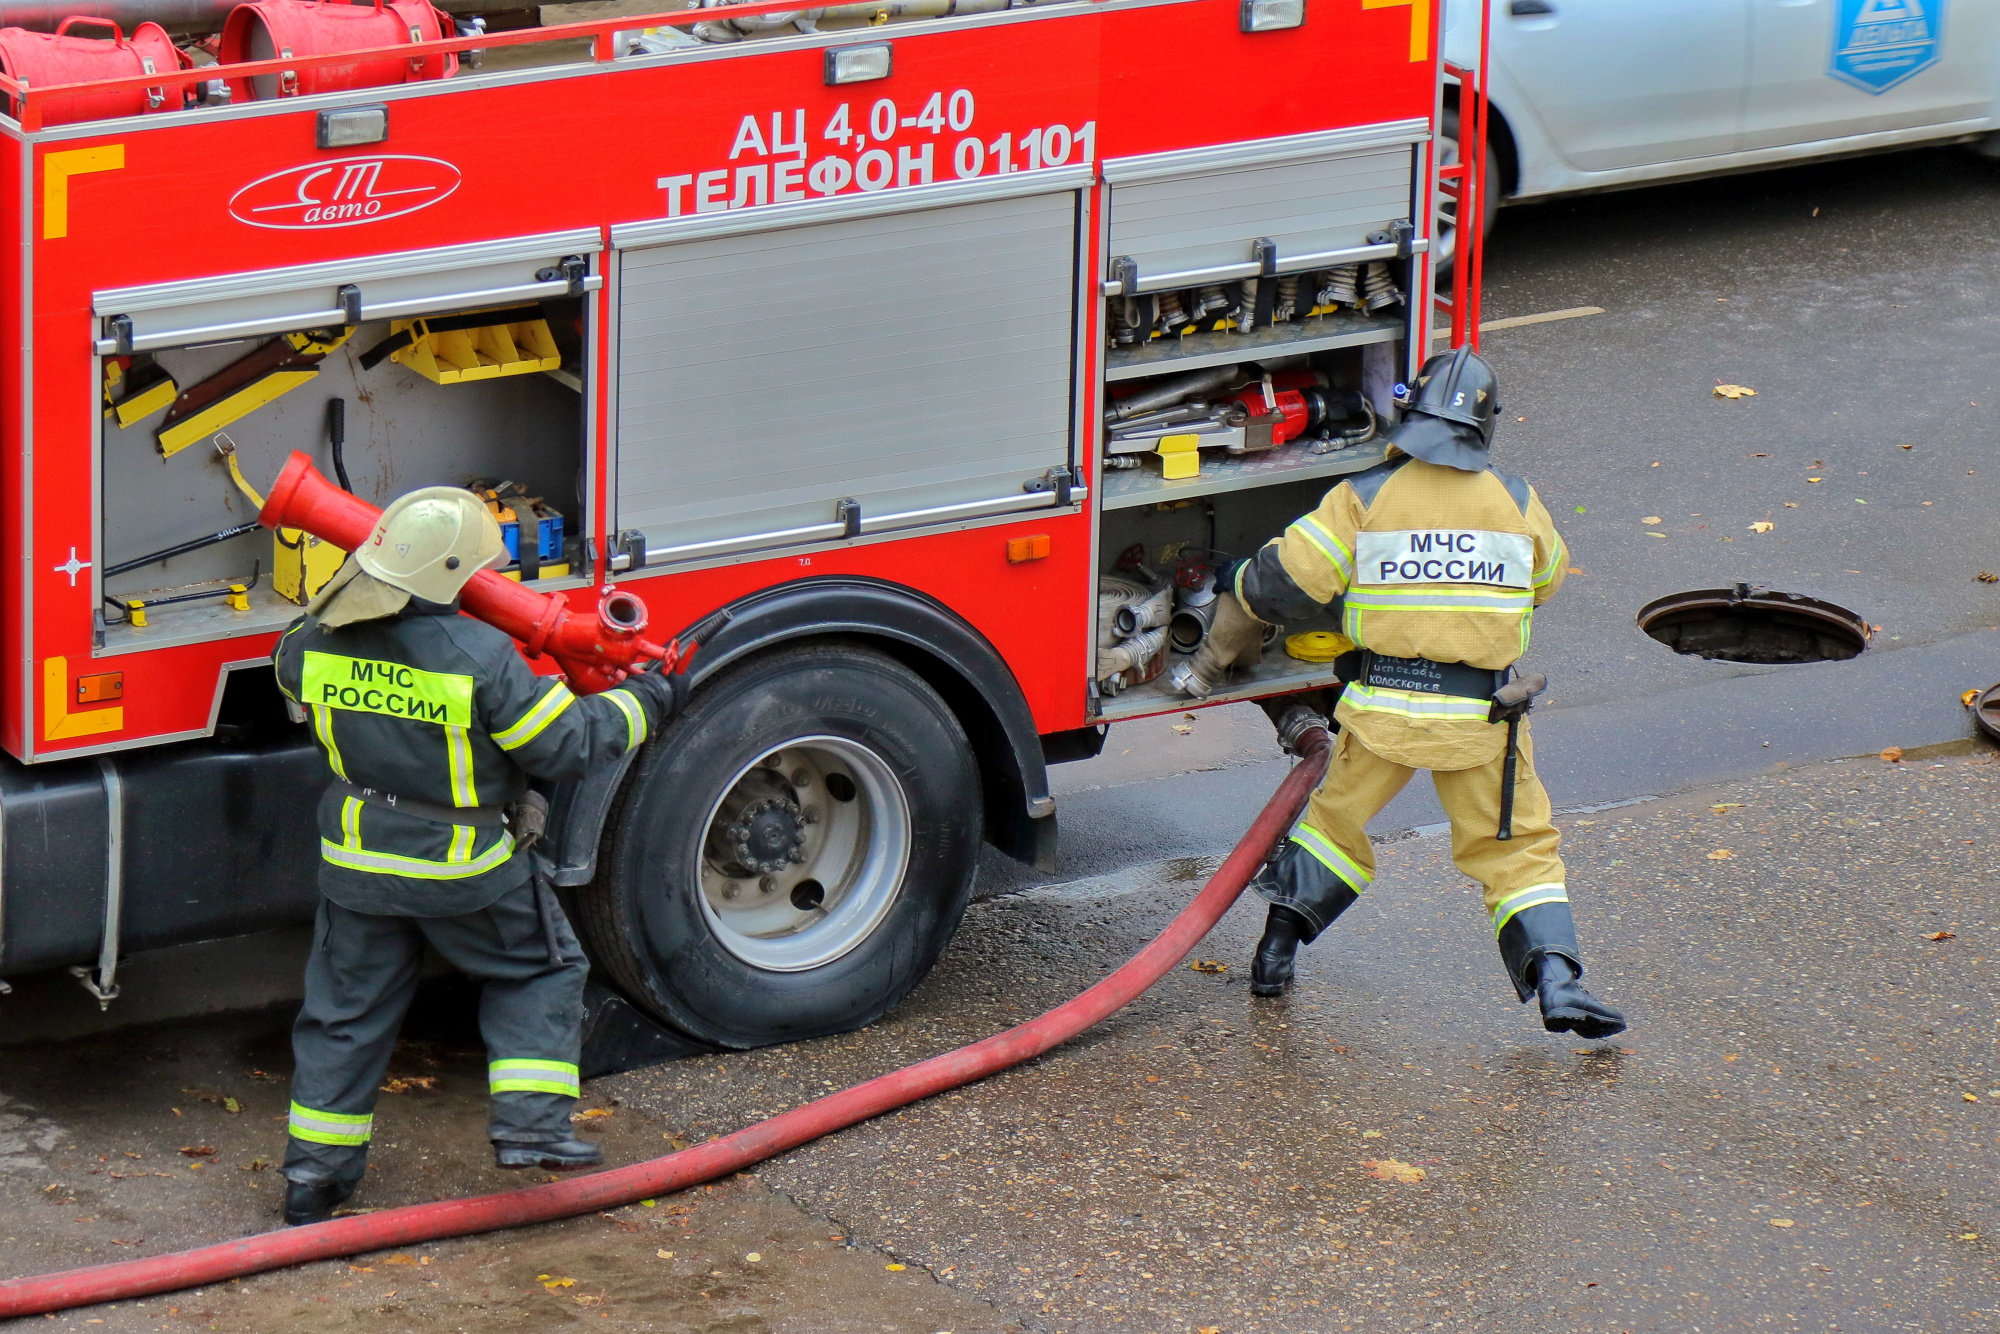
(42, 60)
(282, 29)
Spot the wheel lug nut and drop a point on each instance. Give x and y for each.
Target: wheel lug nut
(801, 778)
(730, 891)
(767, 884)
(810, 815)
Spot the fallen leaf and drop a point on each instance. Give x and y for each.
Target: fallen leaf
(1815, 479)
(1963, 1236)
(1209, 966)
(231, 1106)
(1183, 728)
(254, 1165)
(1580, 1051)
(1576, 569)
(404, 1083)
(1656, 534)
(754, 1257)
(1987, 577)
(362, 1269)
(1721, 806)
(1390, 1169)
(1859, 501)
(1971, 1097)
(1762, 526)
(1791, 504)
(1580, 510)
(1780, 1222)
(1650, 518)
(1733, 1056)
(1965, 698)
(198, 1150)
(1942, 935)
(1906, 446)
(664, 1255)
(1734, 391)
(895, 1269)
(1628, 1051)
(1720, 855)
(591, 1113)
(1371, 1134)
(1893, 754)
(400, 1260)
(553, 1283)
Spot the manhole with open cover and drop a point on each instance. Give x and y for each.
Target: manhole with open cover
(1751, 623)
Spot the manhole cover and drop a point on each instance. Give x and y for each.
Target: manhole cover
(1749, 623)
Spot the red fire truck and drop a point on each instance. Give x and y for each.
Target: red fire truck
(947, 344)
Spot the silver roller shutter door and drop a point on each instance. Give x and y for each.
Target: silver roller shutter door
(911, 362)
(1212, 219)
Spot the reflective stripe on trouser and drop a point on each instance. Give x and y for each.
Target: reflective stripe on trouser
(360, 977)
(517, 1075)
(1330, 860)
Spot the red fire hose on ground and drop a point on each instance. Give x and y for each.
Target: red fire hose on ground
(417, 1223)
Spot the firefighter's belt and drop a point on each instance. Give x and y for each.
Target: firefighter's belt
(1425, 677)
(485, 817)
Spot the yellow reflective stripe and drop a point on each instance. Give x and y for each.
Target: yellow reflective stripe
(1416, 704)
(461, 843)
(1561, 554)
(545, 711)
(323, 726)
(635, 716)
(329, 1127)
(518, 1075)
(1532, 897)
(1331, 857)
(388, 688)
(458, 750)
(278, 648)
(387, 863)
(350, 822)
(1335, 550)
(1438, 599)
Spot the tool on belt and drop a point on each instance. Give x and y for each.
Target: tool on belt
(530, 820)
(1511, 703)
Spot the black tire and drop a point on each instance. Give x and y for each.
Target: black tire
(1447, 228)
(652, 918)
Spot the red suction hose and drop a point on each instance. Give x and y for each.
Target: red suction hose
(417, 1223)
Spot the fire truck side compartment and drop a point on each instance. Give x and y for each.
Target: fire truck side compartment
(912, 352)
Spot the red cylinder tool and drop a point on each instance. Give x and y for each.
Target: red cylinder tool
(274, 29)
(417, 1223)
(41, 59)
(595, 653)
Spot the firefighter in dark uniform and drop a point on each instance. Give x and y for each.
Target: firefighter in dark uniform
(432, 725)
(1435, 562)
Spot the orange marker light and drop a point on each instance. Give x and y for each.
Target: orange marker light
(100, 688)
(1027, 548)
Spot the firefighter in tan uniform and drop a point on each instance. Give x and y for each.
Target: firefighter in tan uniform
(1436, 563)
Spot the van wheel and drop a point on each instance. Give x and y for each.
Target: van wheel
(1445, 252)
(792, 854)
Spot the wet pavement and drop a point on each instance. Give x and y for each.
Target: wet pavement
(1800, 1130)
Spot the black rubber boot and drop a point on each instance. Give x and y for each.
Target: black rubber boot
(314, 1201)
(1566, 1006)
(1271, 973)
(566, 1155)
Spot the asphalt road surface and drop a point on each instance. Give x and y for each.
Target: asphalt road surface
(1798, 1132)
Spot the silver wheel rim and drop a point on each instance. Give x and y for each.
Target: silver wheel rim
(804, 853)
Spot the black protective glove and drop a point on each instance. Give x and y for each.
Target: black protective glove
(661, 694)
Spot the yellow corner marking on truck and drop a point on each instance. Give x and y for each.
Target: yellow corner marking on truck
(58, 723)
(1420, 23)
(57, 168)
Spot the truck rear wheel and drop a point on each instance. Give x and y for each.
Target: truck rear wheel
(792, 854)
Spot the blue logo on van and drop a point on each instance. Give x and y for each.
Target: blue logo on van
(1879, 43)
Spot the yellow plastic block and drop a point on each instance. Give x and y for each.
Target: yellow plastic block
(235, 407)
(301, 564)
(153, 398)
(484, 353)
(1180, 456)
(550, 570)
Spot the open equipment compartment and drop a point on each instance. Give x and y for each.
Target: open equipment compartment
(1257, 318)
(447, 369)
